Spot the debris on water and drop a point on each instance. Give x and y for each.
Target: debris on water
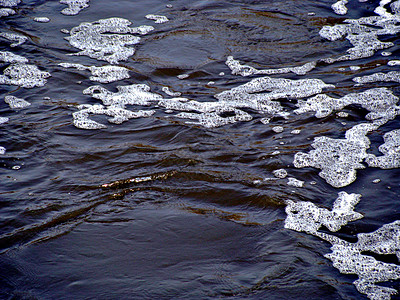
(15, 102)
(74, 6)
(280, 173)
(338, 159)
(10, 57)
(14, 37)
(340, 7)
(5, 12)
(41, 19)
(103, 74)
(107, 39)
(245, 70)
(277, 129)
(27, 76)
(393, 76)
(295, 182)
(157, 18)
(381, 102)
(391, 152)
(167, 90)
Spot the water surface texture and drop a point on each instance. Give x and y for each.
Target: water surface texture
(199, 149)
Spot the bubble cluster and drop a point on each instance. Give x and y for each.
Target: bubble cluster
(379, 101)
(74, 6)
(103, 74)
(391, 152)
(393, 76)
(245, 70)
(15, 102)
(338, 159)
(14, 37)
(350, 258)
(107, 39)
(157, 18)
(280, 173)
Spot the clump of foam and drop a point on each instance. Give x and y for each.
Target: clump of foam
(390, 150)
(9, 3)
(103, 74)
(3, 120)
(277, 129)
(74, 6)
(394, 63)
(157, 18)
(167, 90)
(338, 159)
(349, 258)
(15, 102)
(393, 76)
(118, 114)
(280, 173)
(2, 150)
(363, 35)
(24, 75)
(295, 182)
(14, 37)
(5, 12)
(107, 39)
(307, 217)
(340, 7)
(10, 57)
(41, 19)
(245, 70)
(379, 101)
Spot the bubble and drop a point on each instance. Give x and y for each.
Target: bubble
(107, 39)
(391, 152)
(157, 18)
(245, 70)
(103, 74)
(74, 6)
(2, 150)
(16, 103)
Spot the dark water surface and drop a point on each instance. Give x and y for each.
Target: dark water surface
(156, 208)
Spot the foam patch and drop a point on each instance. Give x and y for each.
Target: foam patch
(103, 74)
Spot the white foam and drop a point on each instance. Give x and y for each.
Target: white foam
(277, 129)
(15, 102)
(14, 37)
(157, 18)
(393, 76)
(41, 19)
(3, 120)
(245, 70)
(5, 12)
(390, 150)
(167, 90)
(280, 173)
(103, 74)
(24, 75)
(74, 6)
(338, 159)
(379, 101)
(9, 3)
(295, 182)
(10, 57)
(2, 150)
(394, 63)
(340, 7)
(107, 39)
(296, 131)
